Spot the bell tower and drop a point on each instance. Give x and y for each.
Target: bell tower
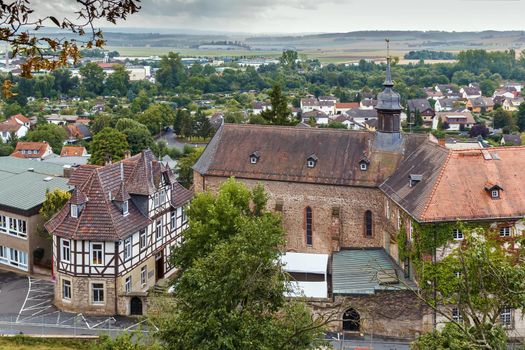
(388, 103)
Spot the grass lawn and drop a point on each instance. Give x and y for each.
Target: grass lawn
(28, 343)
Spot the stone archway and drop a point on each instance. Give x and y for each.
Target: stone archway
(135, 306)
(351, 321)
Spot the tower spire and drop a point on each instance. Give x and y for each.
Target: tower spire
(388, 81)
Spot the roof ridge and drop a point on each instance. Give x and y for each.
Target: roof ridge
(436, 184)
(288, 127)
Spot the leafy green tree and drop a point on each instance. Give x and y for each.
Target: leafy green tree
(503, 119)
(171, 71)
(108, 145)
(203, 126)
(55, 200)
(64, 82)
(92, 78)
(184, 166)
(180, 116)
(12, 109)
(101, 121)
(521, 117)
(230, 293)
(480, 278)
(140, 102)
(139, 138)
(51, 133)
(5, 149)
(117, 83)
(289, 58)
(157, 117)
(279, 113)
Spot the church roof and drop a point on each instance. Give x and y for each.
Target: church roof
(283, 153)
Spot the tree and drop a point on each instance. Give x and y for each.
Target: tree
(179, 117)
(230, 293)
(117, 83)
(64, 82)
(55, 200)
(5, 149)
(138, 138)
(108, 145)
(521, 117)
(12, 109)
(184, 166)
(171, 71)
(479, 130)
(20, 29)
(288, 58)
(479, 278)
(279, 113)
(503, 119)
(203, 126)
(92, 78)
(51, 133)
(157, 117)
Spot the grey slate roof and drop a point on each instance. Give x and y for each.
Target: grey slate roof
(21, 189)
(354, 271)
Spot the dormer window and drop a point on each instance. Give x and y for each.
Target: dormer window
(494, 191)
(414, 179)
(311, 161)
(363, 166)
(125, 208)
(254, 157)
(74, 211)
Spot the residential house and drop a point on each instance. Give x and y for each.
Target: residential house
(512, 104)
(480, 105)
(455, 121)
(112, 240)
(309, 104)
(61, 119)
(445, 104)
(17, 125)
(423, 107)
(23, 187)
(440, 187)
(32, 150)
(468, 92)
(446, 88)
(507, 92)
(76, 132)
(433, 94)
(343, 107)
(513, 84)
(367, 104)
(510, 140)
(319, 117)
(73, 151)
(258, 107)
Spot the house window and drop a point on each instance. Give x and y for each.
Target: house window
(17, 227)
(368, 223)
(310, 163)
(125, 208)
(363, 166)
(127, 248)
(253, 160)
(3, 223)
(456, 315)
(13, 257)
(142, 239)
(74, 211)
(66, 250)
(495, 194)
(162, 196)
(309, 226)
(66, 289)
(458, 274)
(457, 234)
(144, 275)
(504, 231)
(410, 231)
(156, 200)
(184, 217)
(173, 219)
(158, 229)
(505, 317)
(127, 285)
(97, 293)
(97, 254)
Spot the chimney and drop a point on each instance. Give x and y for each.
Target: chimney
(68, 170)
(127, 154)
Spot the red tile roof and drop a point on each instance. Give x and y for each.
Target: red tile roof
(22, 149)
(13, 123)
(101, 218)
(453, 185)
(347, 105)
(73, 151)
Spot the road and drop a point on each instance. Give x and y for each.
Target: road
(170, 139)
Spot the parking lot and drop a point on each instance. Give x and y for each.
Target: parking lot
(26, 305)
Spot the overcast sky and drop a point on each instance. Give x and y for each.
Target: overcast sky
(294, 16)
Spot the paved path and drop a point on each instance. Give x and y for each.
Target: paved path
(13, 290)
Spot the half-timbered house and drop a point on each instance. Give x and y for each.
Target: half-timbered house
(112, 241)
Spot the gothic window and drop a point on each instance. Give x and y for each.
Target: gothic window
(368, 223)
(309, 226)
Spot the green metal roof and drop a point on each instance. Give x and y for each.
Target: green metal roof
(24, 189)
(355, 271)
